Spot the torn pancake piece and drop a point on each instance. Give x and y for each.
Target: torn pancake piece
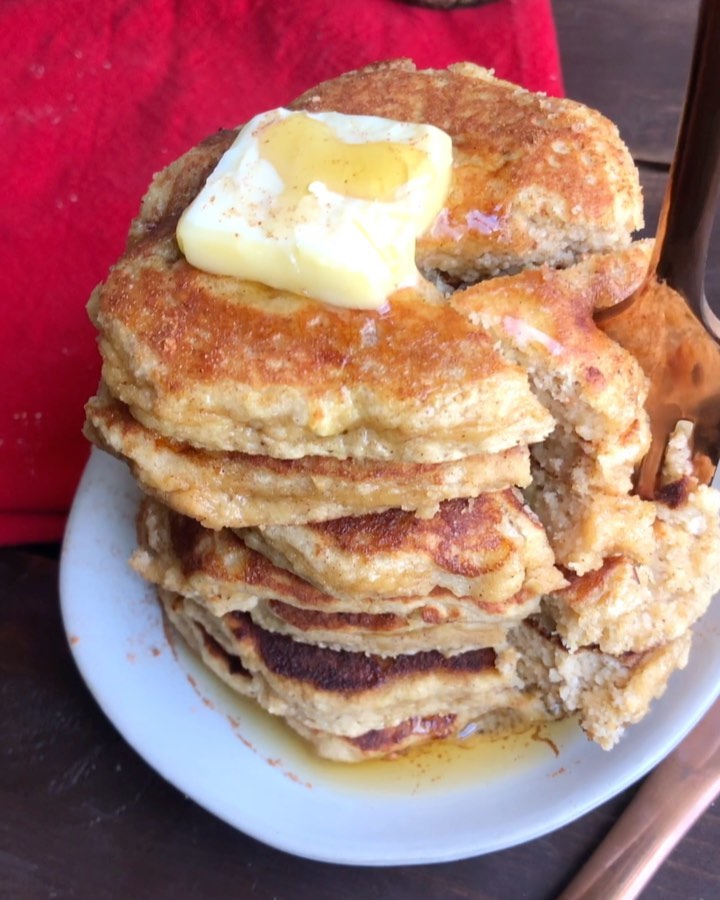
(587, 517)
(635, 604)
(607, 692)
(582, 471)
(543, 320)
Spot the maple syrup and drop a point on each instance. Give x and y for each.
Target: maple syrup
(438, 765)
(368, 170)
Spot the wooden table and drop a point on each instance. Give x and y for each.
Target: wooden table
(82, 816)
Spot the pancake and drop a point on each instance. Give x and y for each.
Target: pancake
(237, 490)
(353, 706)
(490, 547)
(233, 365)
(218, 571)
(595, 389)
(627, 606)
(385, 634)
(226, 364)
(536, 179)
(525, 708)
(349, 693)
(607, 692)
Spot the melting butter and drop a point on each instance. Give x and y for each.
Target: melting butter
(325, 205)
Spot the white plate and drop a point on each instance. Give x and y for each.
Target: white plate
(246, 768)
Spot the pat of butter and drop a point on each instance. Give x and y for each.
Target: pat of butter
(321, 204)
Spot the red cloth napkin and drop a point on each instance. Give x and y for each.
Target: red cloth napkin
(97, 96)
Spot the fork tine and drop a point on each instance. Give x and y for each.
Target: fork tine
(663, 425)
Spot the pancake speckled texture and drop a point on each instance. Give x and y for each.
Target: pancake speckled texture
(536, 179)
(237, 366)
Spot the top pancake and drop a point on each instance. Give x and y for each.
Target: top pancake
(231, 365)
(535, 179)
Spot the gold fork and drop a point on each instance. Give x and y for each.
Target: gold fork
(672, 331)
(667, 324)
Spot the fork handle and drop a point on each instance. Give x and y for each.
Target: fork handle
(661, 812)
(691, 196)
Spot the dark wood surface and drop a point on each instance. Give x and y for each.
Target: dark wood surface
(82, 816)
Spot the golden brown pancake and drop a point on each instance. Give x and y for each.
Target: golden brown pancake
(218, 571)
(231, 365)
(349, 693)
(491, 547)
(236, 490)
(535, 179)
(525, 707)
(385, 634)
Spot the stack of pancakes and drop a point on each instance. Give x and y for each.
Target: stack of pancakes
(393, 526)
